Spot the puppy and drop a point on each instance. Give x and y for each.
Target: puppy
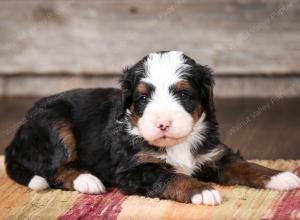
(156, 137)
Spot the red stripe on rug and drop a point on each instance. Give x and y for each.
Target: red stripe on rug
(106, 206)
(289, 205)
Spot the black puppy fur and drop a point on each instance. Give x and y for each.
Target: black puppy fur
(86, 131)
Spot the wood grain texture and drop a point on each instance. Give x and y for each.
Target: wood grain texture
(237, 37)
(34, 85)
(226, 85)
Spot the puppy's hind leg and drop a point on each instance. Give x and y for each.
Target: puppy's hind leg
(25, 176)
(68, 177)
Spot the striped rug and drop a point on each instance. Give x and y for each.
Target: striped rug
(18, 202)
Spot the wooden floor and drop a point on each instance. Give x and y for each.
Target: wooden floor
(259, 128)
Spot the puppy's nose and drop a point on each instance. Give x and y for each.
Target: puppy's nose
(163, 125)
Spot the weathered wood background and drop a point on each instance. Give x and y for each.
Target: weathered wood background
(236, 38)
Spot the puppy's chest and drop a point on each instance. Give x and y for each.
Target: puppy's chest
(185, 162)
(181, 159)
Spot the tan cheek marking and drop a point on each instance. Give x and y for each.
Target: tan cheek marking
(182, 188)
(197, 113)
(181, 85)
(134, 117)
(67, 137)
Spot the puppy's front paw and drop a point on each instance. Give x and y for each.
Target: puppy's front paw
(284, 181)
(207, 197)
(89, 184)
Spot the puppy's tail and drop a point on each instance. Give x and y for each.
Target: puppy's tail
(22, 175)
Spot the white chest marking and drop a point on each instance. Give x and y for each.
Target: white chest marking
(181, 158)
(185, 162)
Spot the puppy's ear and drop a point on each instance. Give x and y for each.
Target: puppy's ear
(127, 86)
(206, 85)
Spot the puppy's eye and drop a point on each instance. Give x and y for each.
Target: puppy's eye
(143, 99)
(184, 95)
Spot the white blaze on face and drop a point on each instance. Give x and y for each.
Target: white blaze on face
(163, 71)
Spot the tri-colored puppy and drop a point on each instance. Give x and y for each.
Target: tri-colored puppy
(156, 137)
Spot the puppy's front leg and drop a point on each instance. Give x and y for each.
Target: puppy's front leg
(152, 180)
(239, 171)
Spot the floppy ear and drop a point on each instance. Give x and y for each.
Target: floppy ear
(206, 87)
(127, 87)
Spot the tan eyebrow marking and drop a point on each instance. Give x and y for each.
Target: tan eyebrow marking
(143, 88)
(181, 85)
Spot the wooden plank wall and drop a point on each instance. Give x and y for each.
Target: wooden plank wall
(94, 37)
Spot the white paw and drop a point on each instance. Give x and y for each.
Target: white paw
(87, 183)
(207, 197)
(284, 181)
(38, 183)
